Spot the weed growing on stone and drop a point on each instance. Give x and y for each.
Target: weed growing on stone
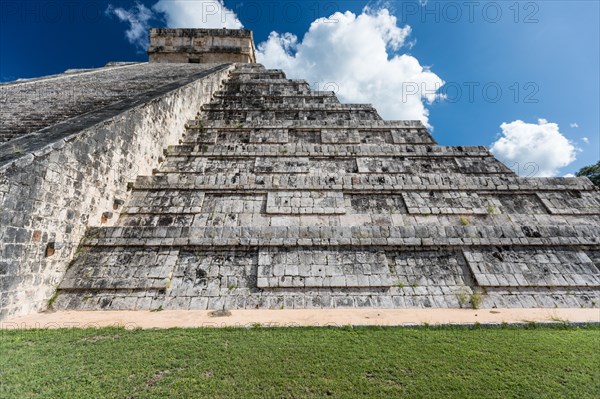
(476, 299)
(492, 210)
(52, 300)
(463, 297)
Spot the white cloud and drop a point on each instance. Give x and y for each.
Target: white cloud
(574, 125)
(358, 57)
(569, 175)
(526, 145)
(585, 140)
(138, 18)
(210, 14)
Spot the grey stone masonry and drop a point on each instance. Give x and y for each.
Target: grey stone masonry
(159, 202)
(143, 268)
(571, 202)
(306, 202)
(281, 165)
(533, 268)
(277, 196)
(201, 46)
(310, 268)
(77, 142)
(29, 105)
(463, 203)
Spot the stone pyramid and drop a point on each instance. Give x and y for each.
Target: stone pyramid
(281, 197)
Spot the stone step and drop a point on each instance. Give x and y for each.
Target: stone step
(165, 202)
(468, 203)
(184, 278)
(251, 68)
(394, 297)
(571, 202)
(293, 236)
(271, 91)
(382, 183)
(256, 68)
(321, 150)
(249, 209)
(233, 96)
(385, 125)
(533, 268)
(274, 86)
(310, 268)
(305, 203)
(208, 279)
(331, 165)
(268, 102)
(215, 107)
(419, 203)
(239, 134)
(346, 114)
(256, 75)
(120, 269)
(267, 88)
(263, 82)
(360, 268)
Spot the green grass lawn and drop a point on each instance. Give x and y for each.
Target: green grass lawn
(534, 362)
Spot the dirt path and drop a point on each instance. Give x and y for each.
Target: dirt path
(296, 317)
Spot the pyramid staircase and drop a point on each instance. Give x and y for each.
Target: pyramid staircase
(281, 197)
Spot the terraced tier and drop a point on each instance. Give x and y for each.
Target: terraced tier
(281, 197)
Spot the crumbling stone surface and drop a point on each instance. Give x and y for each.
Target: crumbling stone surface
(533, 268)
(281, 197)
(311, 202)
(76, 173)
(312, 268)
(27, 106)
(570, 202)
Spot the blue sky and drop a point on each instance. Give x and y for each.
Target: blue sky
(544, 56)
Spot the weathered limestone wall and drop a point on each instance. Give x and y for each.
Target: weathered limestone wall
(49, 196)
(27, 106)
(201, 46)
(281, 197)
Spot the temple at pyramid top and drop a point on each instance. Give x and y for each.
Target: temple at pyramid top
(201, 46)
